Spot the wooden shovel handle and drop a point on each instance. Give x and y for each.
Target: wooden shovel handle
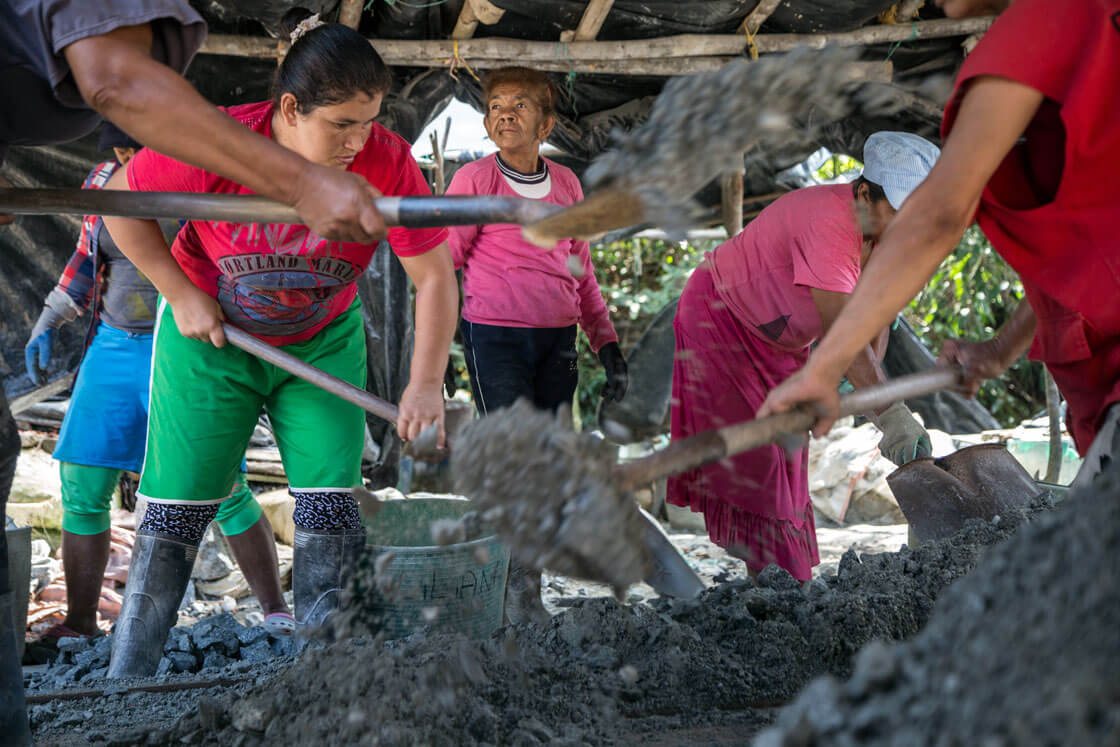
(711, 446)
(239, 338)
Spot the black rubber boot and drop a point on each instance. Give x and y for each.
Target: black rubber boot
(322, 562)
(13, 713)
(157, 577)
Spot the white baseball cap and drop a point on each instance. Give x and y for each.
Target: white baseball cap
(898, 162)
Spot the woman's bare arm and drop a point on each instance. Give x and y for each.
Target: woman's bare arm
(992, 117)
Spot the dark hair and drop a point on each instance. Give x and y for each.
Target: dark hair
(112, 136)
(536, 82)
(328, 65)
(874, 191)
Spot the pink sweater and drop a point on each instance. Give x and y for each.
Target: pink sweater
(509, 282)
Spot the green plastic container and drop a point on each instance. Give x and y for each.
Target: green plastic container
(458, 588)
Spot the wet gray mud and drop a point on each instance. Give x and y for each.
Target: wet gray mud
(709, 671)
(779, 101)
(548, 491)
(1024, 650)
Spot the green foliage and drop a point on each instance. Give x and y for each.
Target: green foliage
(972, 294)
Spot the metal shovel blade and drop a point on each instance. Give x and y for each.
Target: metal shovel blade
(669, 573)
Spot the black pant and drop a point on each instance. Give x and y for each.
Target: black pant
(507, 363)
(9, 453)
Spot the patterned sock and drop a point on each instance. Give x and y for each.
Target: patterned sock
(187, 522)
(326, 509)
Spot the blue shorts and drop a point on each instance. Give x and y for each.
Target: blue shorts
(107, 422)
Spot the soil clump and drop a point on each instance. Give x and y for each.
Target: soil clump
(548, 492)
(1025, 650)
(603, 672)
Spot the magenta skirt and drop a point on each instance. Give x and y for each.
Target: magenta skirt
(756, 503)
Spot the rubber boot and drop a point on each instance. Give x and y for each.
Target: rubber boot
(13, 713)
(523, 596)
(322, 562)
(157, 577)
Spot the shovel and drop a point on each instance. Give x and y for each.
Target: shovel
(669, 573)
(410, 212)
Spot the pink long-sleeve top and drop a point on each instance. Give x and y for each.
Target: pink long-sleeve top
(509, 282)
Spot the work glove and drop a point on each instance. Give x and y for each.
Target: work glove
(610, 355)
(57, 310)
(904, 439)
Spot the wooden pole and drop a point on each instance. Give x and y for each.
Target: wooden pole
(610, 57)
(592, 20)
(350, 13)
(473, 13)
(754, 20)
(731, 199)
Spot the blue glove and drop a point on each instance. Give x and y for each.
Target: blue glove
(57, 310)
(37, 355)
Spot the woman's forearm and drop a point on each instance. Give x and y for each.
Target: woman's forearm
(437, 312)
(912, 247)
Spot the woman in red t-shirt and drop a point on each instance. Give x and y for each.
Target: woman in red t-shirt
(1031, 144)
(291, 288)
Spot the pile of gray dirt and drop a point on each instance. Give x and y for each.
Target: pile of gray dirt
(667, 671)
(1025, 650)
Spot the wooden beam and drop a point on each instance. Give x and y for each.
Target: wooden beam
(609, 57)
(430, 54)
(350, 13)
(592, 20)
(473, 13)
(731, 199)
(754, 20)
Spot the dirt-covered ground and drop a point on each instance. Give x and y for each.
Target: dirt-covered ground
(712, 671)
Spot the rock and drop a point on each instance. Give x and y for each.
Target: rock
(215, 660)
(179, 639)
(233, 585)
(777, 578)
(92, 658)
(278, 505)
(284, 645)
(183, 661)
(35, 499)
(258, 652)
(251, 716)
(213, 561)
(218, 631)
(249, 636)
(73, 645)
(166, 666)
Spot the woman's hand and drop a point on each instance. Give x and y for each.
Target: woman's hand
(811, 387)
(339, 205)
(198, 316)
(421, 406)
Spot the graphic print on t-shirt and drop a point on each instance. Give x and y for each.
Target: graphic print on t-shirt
(286, 289)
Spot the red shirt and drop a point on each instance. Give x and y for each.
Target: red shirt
(283, 283)
(1051, 208)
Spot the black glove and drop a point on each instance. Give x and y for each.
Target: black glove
(610, 355)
